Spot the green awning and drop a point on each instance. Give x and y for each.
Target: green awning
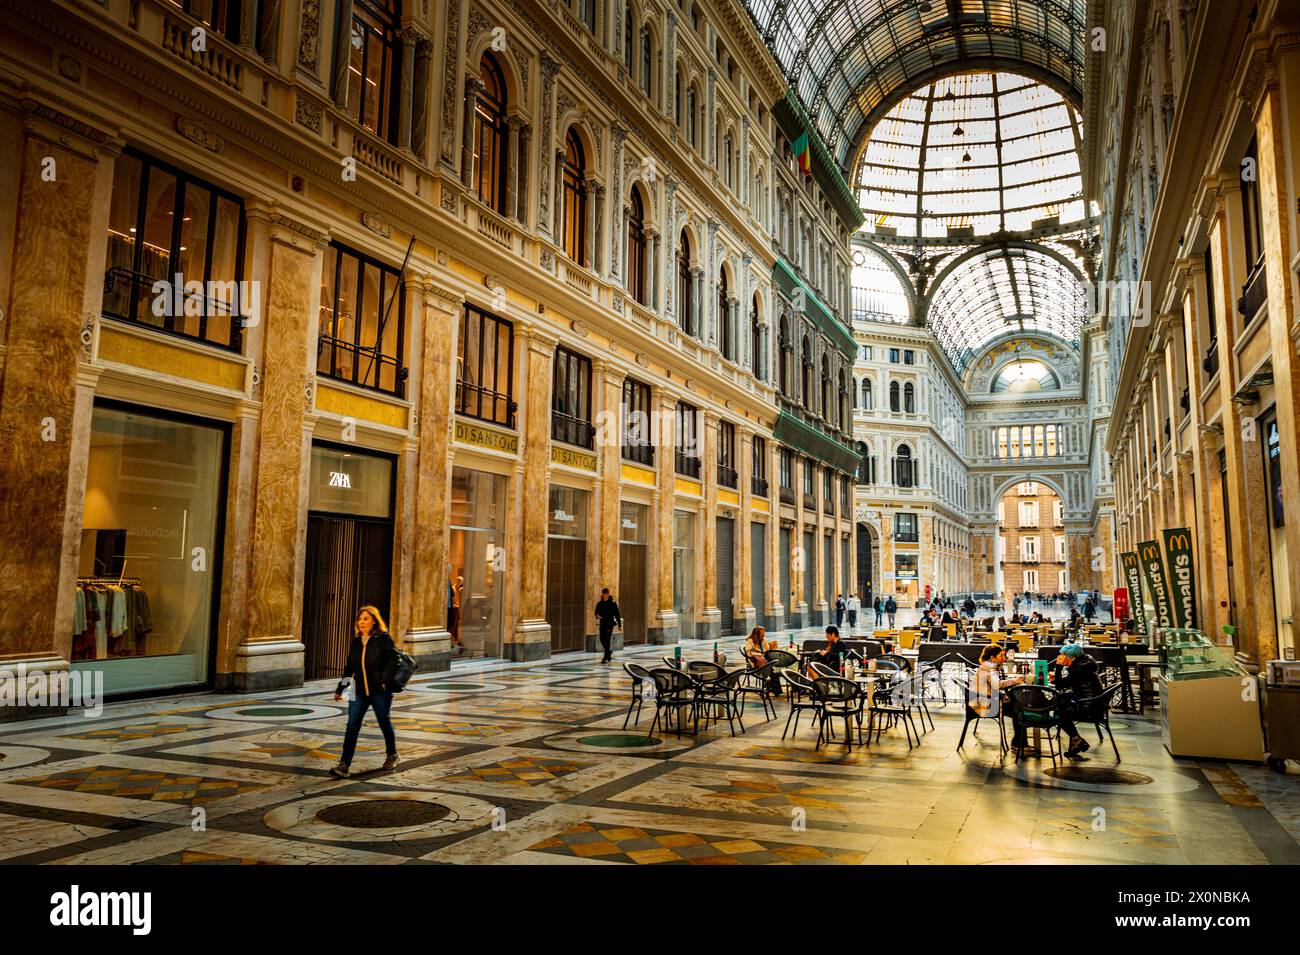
(795, 433)
(786, 279)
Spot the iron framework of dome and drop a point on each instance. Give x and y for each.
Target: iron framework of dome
(850, 60)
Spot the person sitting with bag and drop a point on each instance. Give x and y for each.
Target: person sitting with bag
(755, 649)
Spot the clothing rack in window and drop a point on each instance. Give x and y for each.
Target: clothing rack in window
(111, 618)
(124, 581)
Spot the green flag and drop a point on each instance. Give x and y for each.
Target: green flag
(1153, 569)
(1129, 560)
(1182, 575)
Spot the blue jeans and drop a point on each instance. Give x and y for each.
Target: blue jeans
(381, 703)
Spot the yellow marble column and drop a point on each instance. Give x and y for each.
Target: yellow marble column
(777, 603)
(710, 616)
(531, 636)
(439, 312)
(62, 186)
(607, 385)
(744, 593)
(667, 629)
(271, 652)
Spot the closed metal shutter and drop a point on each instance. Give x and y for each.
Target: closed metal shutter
(758, 571)
(725, 539)
(787, 598)
(845, 577)
(828, 569)
(632, 591)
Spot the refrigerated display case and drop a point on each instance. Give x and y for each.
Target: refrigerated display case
(1209, 703)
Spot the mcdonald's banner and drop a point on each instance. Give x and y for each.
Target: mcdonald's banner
(1182, 575)
(1153, 569)
(1129, 561)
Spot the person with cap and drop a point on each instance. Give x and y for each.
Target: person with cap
(1075, 675)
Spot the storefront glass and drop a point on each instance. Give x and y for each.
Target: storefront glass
(478, 572)
(633, 566)
(684, 571)
(150, 550)
(566, 569)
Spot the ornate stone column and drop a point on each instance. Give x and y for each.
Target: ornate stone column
(593, 191)
(607, 384)
(745, 613)
(422, 84)
(47, 389)
(557, 216)
(667, 628)
(407, 88)
(438, 310)
(519, 211)
(513, 124)
(652, 269)
(531, 638)
(697, 302)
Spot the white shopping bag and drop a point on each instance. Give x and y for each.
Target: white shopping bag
(349, 692)
(648, 689)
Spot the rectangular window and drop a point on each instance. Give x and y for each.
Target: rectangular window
(686, 439)
(787, 468)
(1028, 513)
(808, 468)
(909, 357)
(638, 437)
(905, 567)
(1031, 581)
(1029, 548)
(362, 322)
(828, 486)
(1060, 549)
(571, 399)
(893, 356)
(727, 476)
(375, 56)
(906, 528)
(222, 15)
(485, 368)
(175, 253)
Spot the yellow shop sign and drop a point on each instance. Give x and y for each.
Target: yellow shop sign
(489, 438)
(572, 458)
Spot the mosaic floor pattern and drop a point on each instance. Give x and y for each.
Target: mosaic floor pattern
(533, 764)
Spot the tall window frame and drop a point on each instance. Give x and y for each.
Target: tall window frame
(685, 285)
(490, 137)
(686, 440)
(726, 336)
(636, 248)
(638, 423)
(374, 66)
(485, 376)
(571, 399)
(573, 232)
(360, 341)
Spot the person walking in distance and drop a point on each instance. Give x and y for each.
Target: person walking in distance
(371, 664)
(880, 611)
(840, 607)
(851, 605)
(608, 614)
(891, 610)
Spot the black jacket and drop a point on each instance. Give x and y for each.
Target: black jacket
(1080, 677)
(607, 612)
(380, 664)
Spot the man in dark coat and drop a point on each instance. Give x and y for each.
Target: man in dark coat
(608, 614)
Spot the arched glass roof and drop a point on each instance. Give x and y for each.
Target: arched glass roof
(1025, 376)
(972, 155)
(878, 293)
(1005, 289)
(848, 59)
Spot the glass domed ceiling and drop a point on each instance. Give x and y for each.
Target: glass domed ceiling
(1025, 376)
(973, 154)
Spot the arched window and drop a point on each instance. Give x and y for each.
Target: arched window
(868, 397)
(726, 337)
(588, 13)
(677, 97)
(755, 341)
(904, 467)
(783, 364)
(647, 61)
(490, 135)
(842, 404)
(574, 232)
(893, 396)
(726, 162)
(827, 408)
(807, 378)
(374, 64)
(691, 119)
(685, 294)
(628, 31)
(636, 259)
(909, 398)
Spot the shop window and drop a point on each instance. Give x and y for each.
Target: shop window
(905, 568)
(571, 399)
(175, 254)
(374, 66)
(727, 476)
(490, 135)
(573, 230)
(148, 585)
(905, 528)
(686, 438)
(362, 322)
(485, 368)
(638, 428)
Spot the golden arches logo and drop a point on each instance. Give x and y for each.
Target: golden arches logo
(1180, 540)
(1150, 551)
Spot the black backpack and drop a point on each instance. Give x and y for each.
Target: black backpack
(403, 671)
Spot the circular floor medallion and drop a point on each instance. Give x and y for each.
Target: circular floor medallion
(619, 743)
(1099, 775)
(458, 686)
(11, 757)
(273, 713)
(383, 813)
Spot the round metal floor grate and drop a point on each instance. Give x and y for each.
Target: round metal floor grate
(383, 813)
(1098, 775)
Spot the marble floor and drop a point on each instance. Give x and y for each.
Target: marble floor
(531, 764)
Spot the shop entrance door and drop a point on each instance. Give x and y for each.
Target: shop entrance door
(632, 566)
(566, 598)
(758, 571)
(349, 565)
(725, 541)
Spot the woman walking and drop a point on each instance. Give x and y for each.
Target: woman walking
(372, 661)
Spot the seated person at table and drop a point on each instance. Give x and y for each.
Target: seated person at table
(833, 655)
(1002, 621)
(989, 685)
(1074, 674)
(1075, 619)
(950, 616)
(756, 647)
